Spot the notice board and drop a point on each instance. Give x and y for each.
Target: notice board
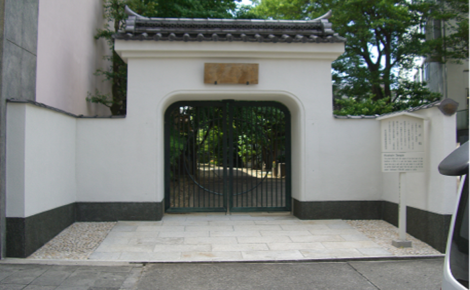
(402, 144)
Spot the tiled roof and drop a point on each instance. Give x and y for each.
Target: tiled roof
(248, 30)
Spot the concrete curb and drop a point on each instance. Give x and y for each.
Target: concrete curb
(137, 263)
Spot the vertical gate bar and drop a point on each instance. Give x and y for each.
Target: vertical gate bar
(219, 190)
(216, 159)
(167, 166)
(209, 177)
(278, 166)
(249, 154)
(210, 148)
(210, 136)
(224, 124)
(288, 160)
(202, 173)
(177, 162)
(282, 181)
(180, 115)
(199, 147)
(230, 154)
(182, 168)
(216, 176)
(234, 159)
(188, 166)
(278, 179)
(262, 112)
(186, 156)
(195, 154)
(257, 141)
(207, 173)
(182, 160)
(264, 183)
(255, 126)
(280, 145)
(248, 124)
(178, 159)
(271, 154)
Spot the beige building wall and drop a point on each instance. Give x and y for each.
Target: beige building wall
(68, 55)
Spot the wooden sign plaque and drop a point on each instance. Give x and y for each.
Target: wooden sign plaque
(231, 73)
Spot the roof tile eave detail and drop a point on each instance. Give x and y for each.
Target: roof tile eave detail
(229, 37)
(248, 30)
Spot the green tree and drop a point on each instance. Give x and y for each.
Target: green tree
(452, 19)
(384, 39)
(114, 14)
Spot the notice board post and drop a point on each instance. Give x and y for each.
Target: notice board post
(403, 146)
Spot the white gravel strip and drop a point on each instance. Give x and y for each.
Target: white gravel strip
(382, 233)
(76, 242)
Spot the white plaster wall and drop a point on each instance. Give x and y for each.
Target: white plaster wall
(15, 165)
(41, 149)
(116, 160)
(122, 160)
(68, 55)
(429, 190)
(345, 160)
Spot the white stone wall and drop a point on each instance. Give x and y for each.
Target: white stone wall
(41, 148)
(54, 159)
(116, 160)
(332, 159)
(68, 55)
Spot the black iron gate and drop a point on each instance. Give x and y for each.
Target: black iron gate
(227, 156)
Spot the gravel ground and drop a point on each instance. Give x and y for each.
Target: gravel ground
(382, 233)
(80, 240)
(76, 242)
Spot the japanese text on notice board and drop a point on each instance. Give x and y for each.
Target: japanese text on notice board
(402, 144)
(402, 135)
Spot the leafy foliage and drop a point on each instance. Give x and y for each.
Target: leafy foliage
(197, 136)
(114, 14)
(453, 45)
(384, 38)
(365, 106)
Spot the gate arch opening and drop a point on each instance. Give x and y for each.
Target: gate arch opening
(227, 156)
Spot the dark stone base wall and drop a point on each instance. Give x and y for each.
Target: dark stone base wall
(114, 211)
(428, 227)
(25, 235)
(390, 212)
(349, 210)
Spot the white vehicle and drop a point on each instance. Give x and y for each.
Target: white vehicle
(456, 260)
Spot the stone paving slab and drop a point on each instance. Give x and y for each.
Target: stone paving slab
(237, 237)
(240, 237)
